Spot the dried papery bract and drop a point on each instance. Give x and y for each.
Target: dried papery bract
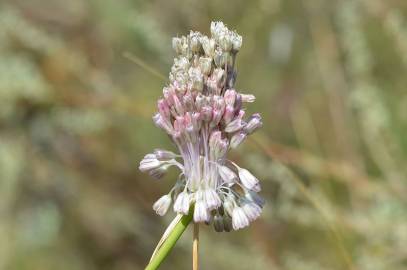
(203, 114)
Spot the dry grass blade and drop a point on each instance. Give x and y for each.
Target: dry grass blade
(335, 232)
(144, 65)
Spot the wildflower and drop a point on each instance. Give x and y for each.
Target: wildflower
(162, 204)
(239, 218)
(203, 114)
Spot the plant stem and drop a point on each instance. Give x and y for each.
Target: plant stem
(169, 243)
(195, 248)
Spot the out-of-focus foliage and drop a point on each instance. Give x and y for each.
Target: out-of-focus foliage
(75, 119)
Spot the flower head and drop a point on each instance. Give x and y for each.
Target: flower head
(203, 114)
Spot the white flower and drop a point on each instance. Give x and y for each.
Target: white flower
(248, 180)
(211, 198)
(251, 210)
(227, 174)
(239, 219)
(149, 163)
(201, 213)
(182, 203)
(162, 204)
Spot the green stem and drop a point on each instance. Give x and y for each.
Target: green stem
(170, 242)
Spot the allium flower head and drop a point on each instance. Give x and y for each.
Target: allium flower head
(203, 114)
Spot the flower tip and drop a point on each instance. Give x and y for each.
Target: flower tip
(162, 204)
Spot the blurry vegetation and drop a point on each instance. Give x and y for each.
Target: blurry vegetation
(75, 119)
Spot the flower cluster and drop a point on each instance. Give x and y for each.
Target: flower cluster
(203, 114)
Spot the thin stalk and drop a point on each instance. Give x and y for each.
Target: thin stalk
(170, 242)
(195, 248)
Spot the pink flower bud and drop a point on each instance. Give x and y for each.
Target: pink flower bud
(163, 108)
(230, 97)
(206, 113)
(216, 117)
(237, 139)
(253, 123)
(229, 114)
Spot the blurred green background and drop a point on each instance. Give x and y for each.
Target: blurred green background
(75, 120)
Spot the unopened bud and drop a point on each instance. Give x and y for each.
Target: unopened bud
(177, 45)
(248, 98)
(253, 123)
(227, 222)
(163, 108)
(206, 113)
(163, 155)
(221, 58)
(230, 97)
(205, 63)
(235, 125)
(227, 174)
(208, 46)
(195, 41)
(162, 204)
(237, 139)
(196, 77)
(216, 117)
(225, 42)
(218, 223)
(200, 101)
(229, 114)
(218, 74)
(236, 41)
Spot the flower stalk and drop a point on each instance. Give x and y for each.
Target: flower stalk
(195, 247)
(170, 242)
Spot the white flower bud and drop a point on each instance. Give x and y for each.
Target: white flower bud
(225, 42)
(218, 74)
(236, 41)
(239, 219)
(234, 126)
(182, 203)
(195, 41)
(248, 98)
(208, 46)
(196, 77)
(253, 123)
(201, 213)
(227, 174)
(205, 63)
(248, 179)
(149, 163)
(218, 29)
(159, 172)
(162, 154)
(211, 198)
(162, 204)
(177, 45)
(221, 58)
(251, 210)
